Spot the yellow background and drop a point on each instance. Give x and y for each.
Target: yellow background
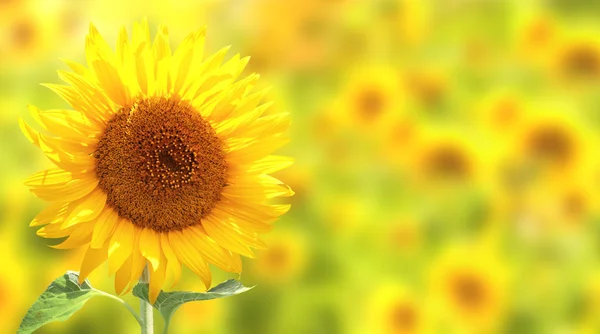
(446, 176)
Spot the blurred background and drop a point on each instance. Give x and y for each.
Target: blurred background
(447, 175)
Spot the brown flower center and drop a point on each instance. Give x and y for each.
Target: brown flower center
(470, 292)
(370, 104)
(161, 164)
(552, 144)
(447, 162)
(581, 61)
(404, 317)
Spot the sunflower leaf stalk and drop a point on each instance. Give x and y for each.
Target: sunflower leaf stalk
(146, 313)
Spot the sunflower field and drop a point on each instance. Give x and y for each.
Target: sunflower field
(446, 174)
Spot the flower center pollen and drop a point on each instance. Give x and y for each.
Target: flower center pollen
(161, 164)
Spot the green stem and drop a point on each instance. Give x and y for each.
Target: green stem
(146, 315)
(129, 308)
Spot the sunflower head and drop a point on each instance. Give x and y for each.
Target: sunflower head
(580, 60)
(371, 97)
(162, 160)
(471, 284)
(550, 141)
(444, 156)
(394, 309)
(25, 32)
(284, 260)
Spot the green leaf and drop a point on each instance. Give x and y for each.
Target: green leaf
(168, 302)
(60, 300)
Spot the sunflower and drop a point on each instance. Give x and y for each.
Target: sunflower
(577, 57)
(284, 260)
(471, 284)
(446, 155)
(534, 34)
(499, 112)
(369, 100)
(26, 33)
(563, 207)
(552, 143)
(394, 309)
(162, 161)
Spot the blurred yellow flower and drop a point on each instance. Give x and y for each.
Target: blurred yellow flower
(394, 309)
(283, 261)
(499, 112)
(556, 142)
(576, 57)
(471, 285)
(27, 32)
(447, 155)
(163, 160)
(535, 37)
(369, 100)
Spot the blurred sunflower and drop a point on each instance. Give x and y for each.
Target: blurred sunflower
(576, 57)
(26, 32)
(163, 160)
(292, 34)
(471, 285)
(499, 112)
(284, 260)
(448, 155)
(393, 309)
(369, 100)
(397, 138)
(535, 36)
(564, 207)
(552, 142)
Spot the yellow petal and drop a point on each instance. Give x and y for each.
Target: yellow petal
(29, 132)
(53, 213)
(121, 245)
(122, 277)
(225, 237)
(67, 191)
(270, 164)
(256, 150)
(150, 247)
(93, 258)
(104, 227)
(211, 251)
(81, 235)
(89, 98)
(173, 265)
(68, 124)
(76, 67)
(157, 280)
(189, 256)
(54, 231)
(50, 177)
(162, 60)
(141, 33)
(102, 60)
(88, 208)
(138, 261)
(110, 80)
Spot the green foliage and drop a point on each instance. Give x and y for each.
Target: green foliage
(61, 299)
(168, 302)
